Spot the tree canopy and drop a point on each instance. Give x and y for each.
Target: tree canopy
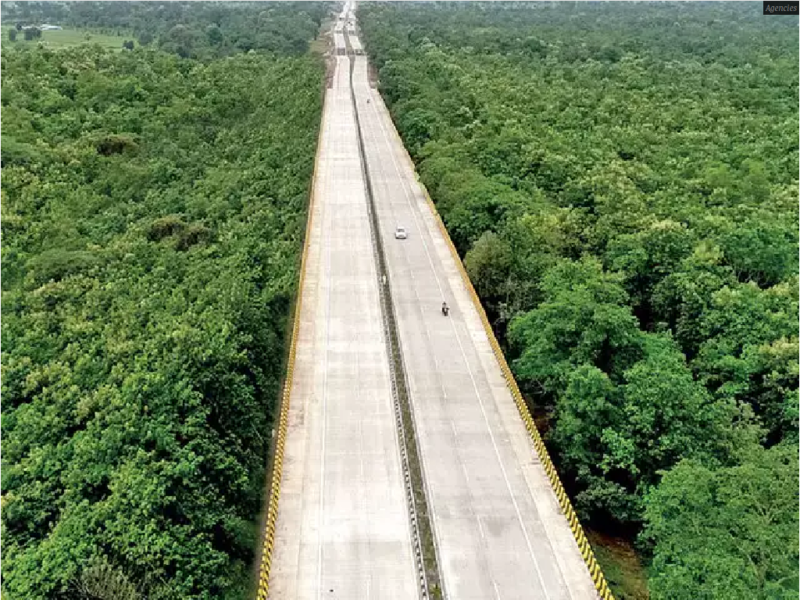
(726, 534)
(153, 214)
(621, 182)
(190, 29)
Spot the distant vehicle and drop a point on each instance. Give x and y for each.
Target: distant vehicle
(400, 233)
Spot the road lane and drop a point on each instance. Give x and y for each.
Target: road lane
(499, 530)
(343, 526)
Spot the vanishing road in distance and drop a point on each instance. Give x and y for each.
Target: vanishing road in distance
(343, 523)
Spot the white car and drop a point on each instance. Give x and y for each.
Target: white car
(400, 233)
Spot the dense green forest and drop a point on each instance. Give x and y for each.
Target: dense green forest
(153, 209)
(189, 29)
(621, 182)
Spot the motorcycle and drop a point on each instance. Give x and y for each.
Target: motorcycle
(445, 309)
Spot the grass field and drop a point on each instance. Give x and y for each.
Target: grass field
(323, 41)
(66, 38)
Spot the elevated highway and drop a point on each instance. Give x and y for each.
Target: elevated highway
(343, 528)
(346, 526)
(498, 525)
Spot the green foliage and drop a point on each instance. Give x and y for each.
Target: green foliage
(152, 224)
(189, 29)
(729, 533)
(750, 352)
(488, 263)
(581, 320)
(101, 580)
(622, 184)
(626, 403)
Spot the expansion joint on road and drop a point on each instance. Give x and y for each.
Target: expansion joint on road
(426, 559)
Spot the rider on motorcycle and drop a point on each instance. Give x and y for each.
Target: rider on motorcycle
(445, 308)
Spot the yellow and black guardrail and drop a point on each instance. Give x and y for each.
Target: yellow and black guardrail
(585, 548)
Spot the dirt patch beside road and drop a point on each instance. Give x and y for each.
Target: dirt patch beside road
(372, 74)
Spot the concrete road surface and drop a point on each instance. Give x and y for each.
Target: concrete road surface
(498, 527)
(343, 528)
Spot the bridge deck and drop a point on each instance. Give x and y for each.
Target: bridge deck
(343, 527)
(498, 526)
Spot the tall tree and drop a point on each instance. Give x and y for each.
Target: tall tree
(728, 533)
